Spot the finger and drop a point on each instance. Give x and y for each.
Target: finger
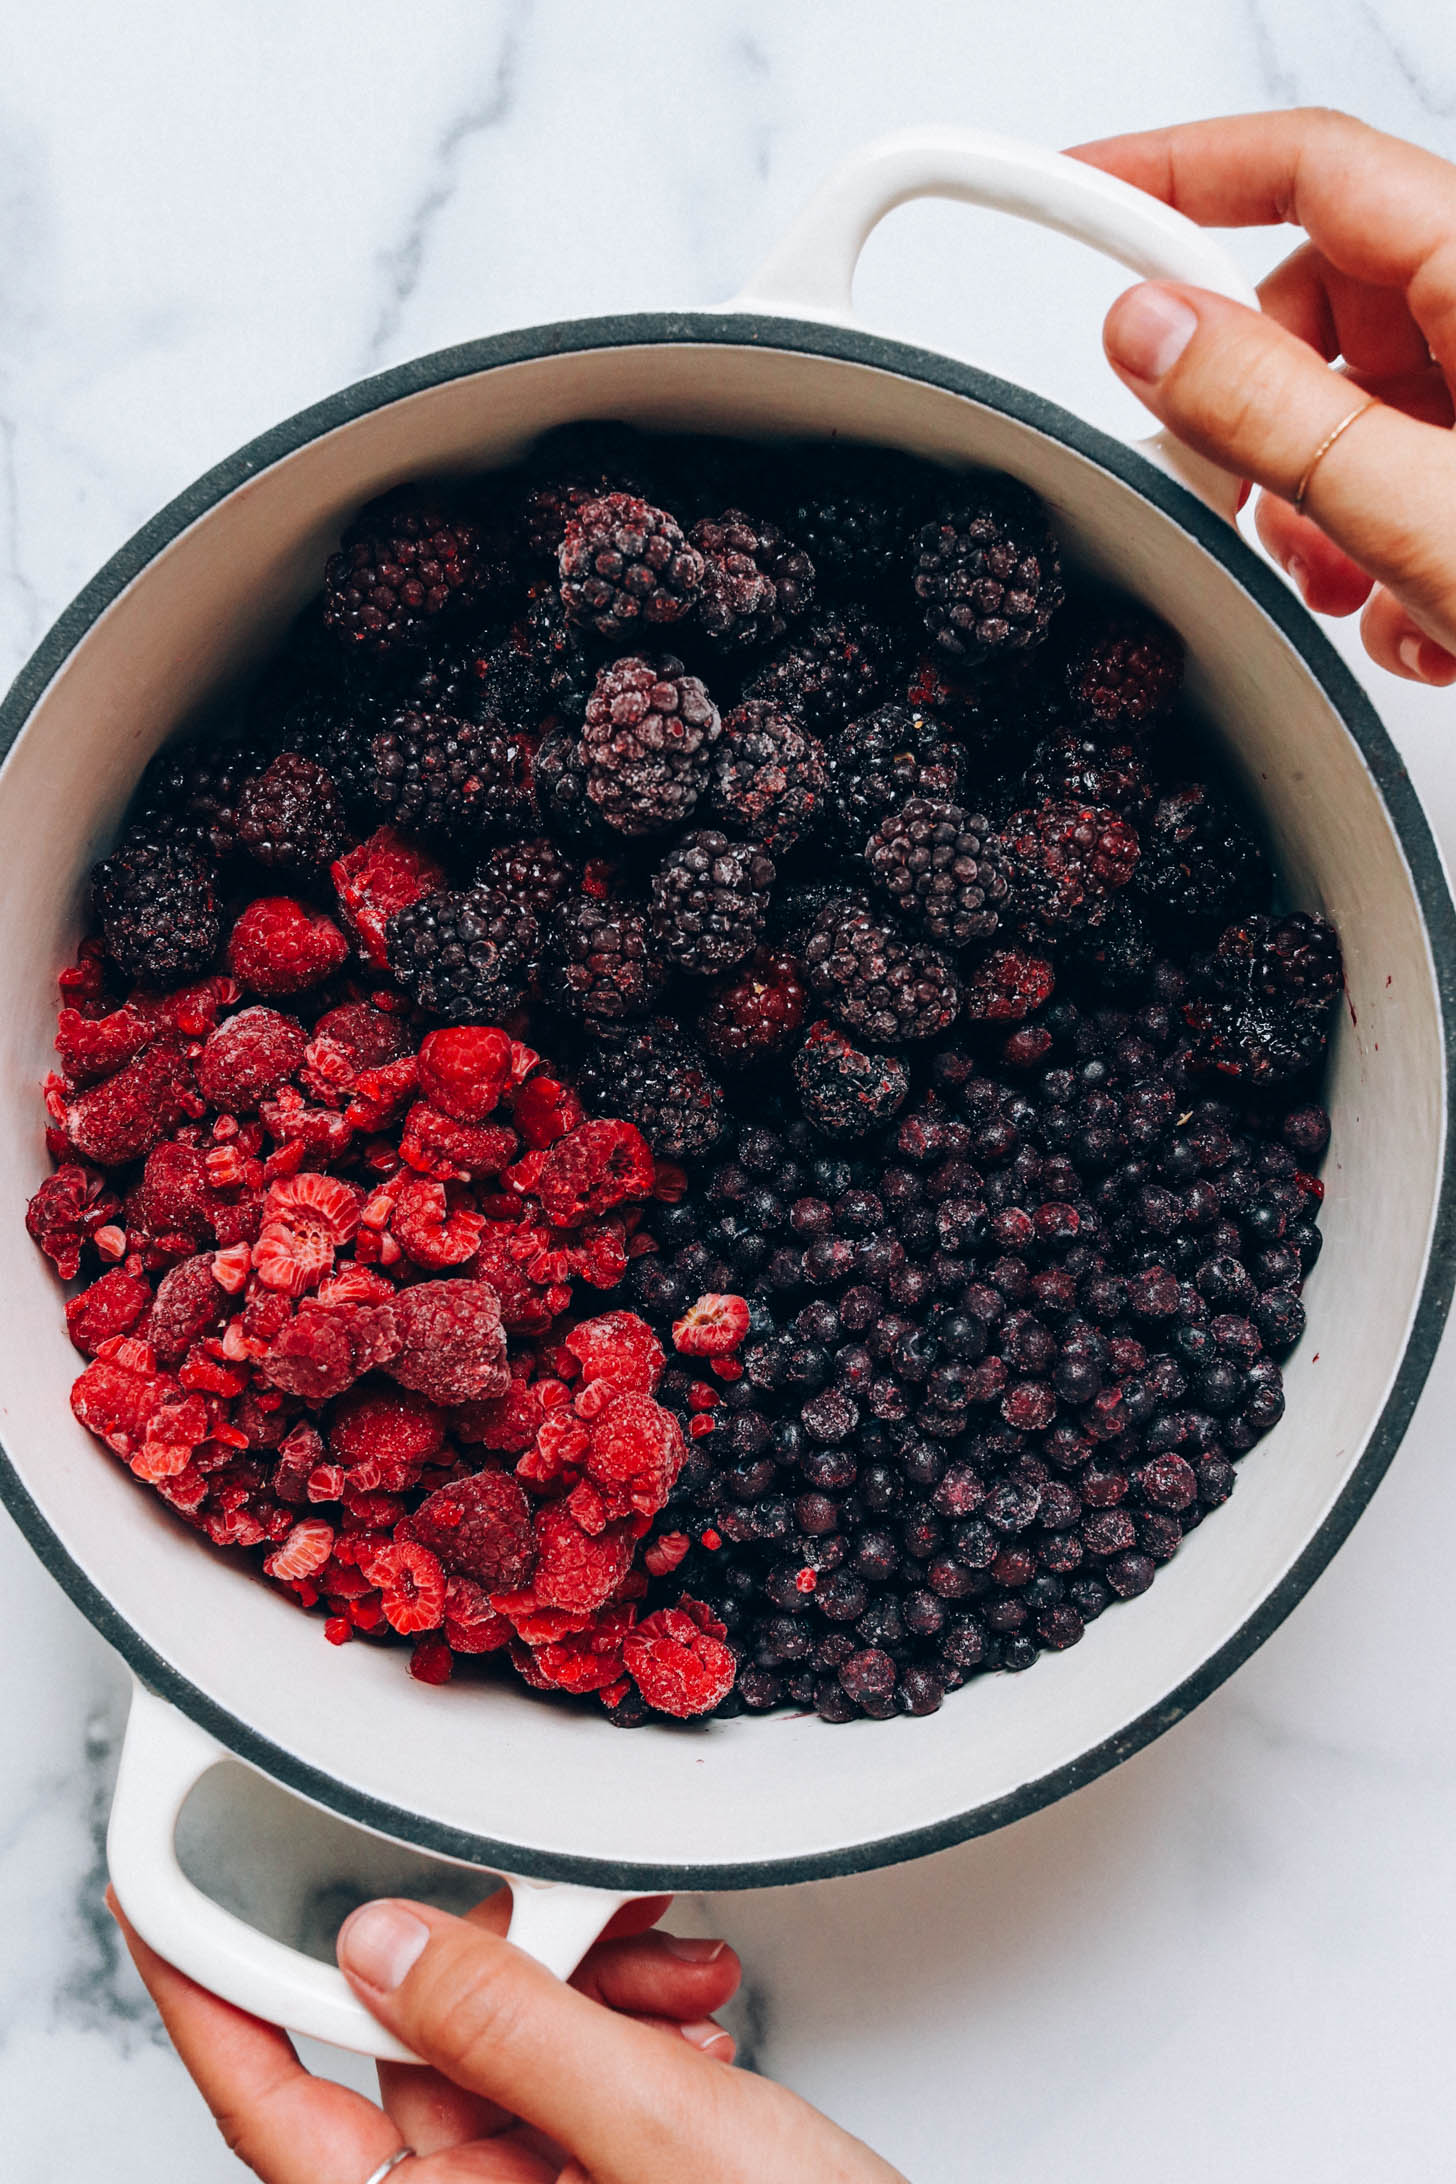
(660, 1975)
(290, 2127)
(1327, 579)
(1252, 397)
(627, 2102)
(1379, 208)
(646, 1975)
(1371, 328)
(1394, 641)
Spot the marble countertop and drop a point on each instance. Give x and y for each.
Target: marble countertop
(1233, 1956)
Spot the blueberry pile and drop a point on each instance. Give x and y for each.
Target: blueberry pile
(813, 819)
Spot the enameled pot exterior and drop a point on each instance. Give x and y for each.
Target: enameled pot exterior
(496, 1776)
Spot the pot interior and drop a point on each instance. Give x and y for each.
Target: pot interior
(496, 1763)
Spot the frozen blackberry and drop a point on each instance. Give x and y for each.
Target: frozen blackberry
(709, 900)
(626, 566)
(533, 874)
(874, 981)
(1121, 952)
(1273, 983)
(1125, 675)
(769, 776)
(489, 680)
(603, 965)
(291, 816)
(941, 868)
(465, 955)
(756, 1012)
(999, 710)
(570, 466)
(156, 900)
(845, 1090)
(830, 673)
(658, 1080)
(561, 791)
(987, 573)
(1200, 864)
(453, 780)
(1066, 862)
(884, 759)
(854, 509)
(1008, 985)
(793, 909)
(1081, 769)
(755, 583)
(645, 742)
(403, 562)
(556, 649)
(191, 792)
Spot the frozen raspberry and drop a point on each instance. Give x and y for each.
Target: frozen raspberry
(584, 1660)
(323, 1350)
(619, 1347)
(545, 1110)
(124, 1116)
(713, 1327)
(471, 1623)
(248, 1057)
(576, 1570)
(190, 1302)
(411, 1586)
(506, 1424)
(92, 1047)
(174, 1201)
(65, 1213)
(480, 1528)
(119, 1398)
(431, 1660)
(111, 1306)
(678, 1660)
(305, 1218)
(453, 1346)
(385, 874)
(304, 1551)
(635, 1455)
(464, 1070)
(347, 1041)
(279, 946)
(598, 1165)
(1007, 985)
(439, 1146)
(391, 1430)
(430, 1229)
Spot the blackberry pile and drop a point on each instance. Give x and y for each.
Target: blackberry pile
(815, 819)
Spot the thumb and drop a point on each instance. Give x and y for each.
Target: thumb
(1256, 399)
(629, 2102)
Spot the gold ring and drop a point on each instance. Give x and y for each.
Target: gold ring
(1324, 447)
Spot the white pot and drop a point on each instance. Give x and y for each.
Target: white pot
(493, 1775)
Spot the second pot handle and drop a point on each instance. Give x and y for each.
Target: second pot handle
(810, 273)
(163, 1758)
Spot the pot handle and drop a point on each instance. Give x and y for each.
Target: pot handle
(810, 274)
(163, 1758)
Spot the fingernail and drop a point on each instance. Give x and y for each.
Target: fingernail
(379, 1942)
(1431, 662)
(1147, 331)
(1296, 568)
(691, 1950)
(711, 2038)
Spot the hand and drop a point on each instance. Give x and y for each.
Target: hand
(619, 2078)
(1375, 285)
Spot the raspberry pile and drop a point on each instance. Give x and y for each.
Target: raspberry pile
(897, 1254)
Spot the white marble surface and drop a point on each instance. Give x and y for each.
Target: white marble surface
(1233, 1958)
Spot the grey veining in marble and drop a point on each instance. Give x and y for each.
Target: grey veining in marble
(1233, 1958)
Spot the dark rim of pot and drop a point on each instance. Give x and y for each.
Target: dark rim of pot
(1428, 878)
